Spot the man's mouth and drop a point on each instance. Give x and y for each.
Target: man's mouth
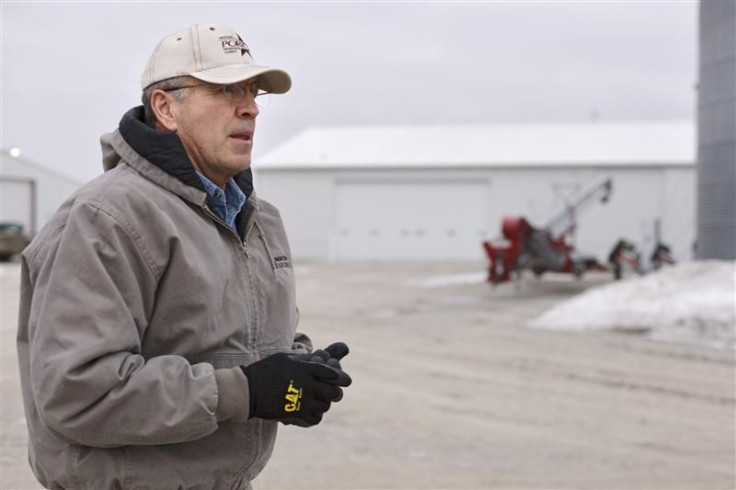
(243, 136)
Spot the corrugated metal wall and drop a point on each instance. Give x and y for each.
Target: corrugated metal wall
(717, 131)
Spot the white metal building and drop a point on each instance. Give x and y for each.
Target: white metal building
(435, 192)
(30, 193)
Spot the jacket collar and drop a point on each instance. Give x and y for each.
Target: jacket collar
(160, 157)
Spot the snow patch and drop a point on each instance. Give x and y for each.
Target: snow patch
(692, 302)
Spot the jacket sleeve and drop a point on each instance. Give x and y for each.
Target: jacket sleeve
(93, 289)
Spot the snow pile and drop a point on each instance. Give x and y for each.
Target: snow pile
(693, 302)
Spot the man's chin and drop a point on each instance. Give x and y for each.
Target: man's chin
(245, 163)
(239, 161)
(242, 165)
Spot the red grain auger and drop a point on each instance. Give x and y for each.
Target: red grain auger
(546, 249)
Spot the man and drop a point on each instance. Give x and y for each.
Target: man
(157, 336)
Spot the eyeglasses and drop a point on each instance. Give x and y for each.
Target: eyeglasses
(231, 92)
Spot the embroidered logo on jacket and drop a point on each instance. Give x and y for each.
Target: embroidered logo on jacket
(281, 262)
(293, 398)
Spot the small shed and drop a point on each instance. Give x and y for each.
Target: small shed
(30, 193)
(435, 192)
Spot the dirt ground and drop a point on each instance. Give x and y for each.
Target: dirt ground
(452, 390)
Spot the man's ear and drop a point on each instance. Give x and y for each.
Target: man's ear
(162, 106)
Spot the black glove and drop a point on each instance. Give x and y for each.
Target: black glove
(335, 351)
(330, 355)
(291, 389)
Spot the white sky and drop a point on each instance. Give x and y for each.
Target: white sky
(70, 70)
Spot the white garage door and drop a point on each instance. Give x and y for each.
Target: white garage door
(413, 220)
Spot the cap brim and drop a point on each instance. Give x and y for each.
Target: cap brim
(272, 79)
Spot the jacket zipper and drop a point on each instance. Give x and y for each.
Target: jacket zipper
(262, 236)
(244, 245)
(217, 219)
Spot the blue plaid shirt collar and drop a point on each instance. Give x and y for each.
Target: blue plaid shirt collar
(225, 204)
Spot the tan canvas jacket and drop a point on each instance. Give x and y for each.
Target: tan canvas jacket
(137, 307)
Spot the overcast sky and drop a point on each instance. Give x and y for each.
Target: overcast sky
(70, 70)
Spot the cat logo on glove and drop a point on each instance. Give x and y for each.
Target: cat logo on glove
(293, 398)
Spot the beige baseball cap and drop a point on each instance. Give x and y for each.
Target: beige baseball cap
(212, 53)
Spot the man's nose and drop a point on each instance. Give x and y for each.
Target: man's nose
(247, 106)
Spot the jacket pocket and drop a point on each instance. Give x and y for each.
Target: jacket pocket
(224, 360)
(221, 460)
(93, 468)
(217, 461)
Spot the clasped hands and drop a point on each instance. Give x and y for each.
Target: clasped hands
(297, 389)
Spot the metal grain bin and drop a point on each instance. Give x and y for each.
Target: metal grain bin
(716, 229)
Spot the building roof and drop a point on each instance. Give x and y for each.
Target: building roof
(485, 145)
(20, 166)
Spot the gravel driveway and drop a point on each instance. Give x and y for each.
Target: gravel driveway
(452, 390)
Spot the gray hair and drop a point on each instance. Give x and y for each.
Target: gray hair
(168, 84)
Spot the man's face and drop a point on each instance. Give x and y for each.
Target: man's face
(216, 124)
